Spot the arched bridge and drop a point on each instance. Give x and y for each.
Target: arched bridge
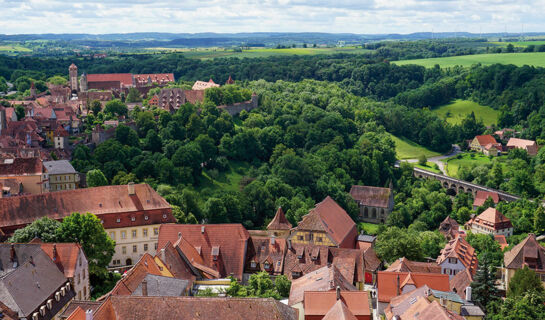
(455, 186)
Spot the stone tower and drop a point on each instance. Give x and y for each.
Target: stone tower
(83, 82)
(73, 73)
(32, 90)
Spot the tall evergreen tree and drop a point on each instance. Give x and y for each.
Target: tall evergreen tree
(483, 286)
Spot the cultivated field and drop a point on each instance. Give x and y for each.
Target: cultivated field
(455, 112)
(407, 149)
(519, 59)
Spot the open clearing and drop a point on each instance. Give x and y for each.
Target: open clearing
(455, 112)
(430, 166)
(465, 159)
(14, 48)
(519, 59)
(370, 228)
(407, 149)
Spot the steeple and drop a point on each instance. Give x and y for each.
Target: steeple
(279, 222)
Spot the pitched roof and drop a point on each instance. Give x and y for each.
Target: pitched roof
(279, 222)
(528, 145)
(161, 286)
(401, 304)
(77, 314)
(324, 279)
(133, 278)
(329, 217)
(230, 240)
(82, 304)
(459, 248)
(500, 238)
(371, 196)
(160, 78)
(318, 303)
(171, 259)
(406, 265)
(339, 311)
(491, 218)
(387, 282)
(449, 227)
(201, 85)
(434, 311)
(485, 139)
(59, 167)
(21, 166)
(482, 196)
(64, 255)
(125, 79)
(193, 308)
(61, 132)
(528, 251)
(460, 282)
(101, 201)
(262, 250)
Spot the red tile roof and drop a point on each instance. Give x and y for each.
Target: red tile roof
(160, 78)
(387, 282)
(318, 303)
(65, 256)
(460, 282)
(109, 203)
(263, 252)
(530, 146)
(527, 252)
(481, 197)
(132, 278)
(179, 268)
(371, 196)
(78, 314)
(339, 311)
(491, 218)
(61, 132)
(485, 139)
(279, 222)
(329, 217)
(231, 240)
(125, 79)
(500, 238)
(406, 265)
(449, 227)
(21, 167)
(460, 249)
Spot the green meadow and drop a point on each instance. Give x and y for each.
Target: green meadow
(519, 59)
(455, 112)
(407, 149)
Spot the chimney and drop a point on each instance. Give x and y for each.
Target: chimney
(131, 188)
(179, 235)
(398, 288)
(289, 244)
(468, 294)
(273, 240)
(54, 252)
(202, 229)
(89, 314)
(338, 290)
(145, 288)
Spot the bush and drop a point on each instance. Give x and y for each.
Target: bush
(422, 160)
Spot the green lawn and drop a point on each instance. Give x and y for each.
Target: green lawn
(407, 149)
(370, 228)
(453, 163)
(519, 59)
(14, 47)
(455, 112)
(228, 180)
(430, 166)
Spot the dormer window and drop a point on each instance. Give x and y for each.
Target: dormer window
(133, 219)
(267, 265)
(164, 216)
(295, 274)
(215, 252)
(146, 218)
(253, 264)
(118, 220)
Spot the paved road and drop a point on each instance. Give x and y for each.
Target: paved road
(437, 160)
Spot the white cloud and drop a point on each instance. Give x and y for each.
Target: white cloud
(355, 16)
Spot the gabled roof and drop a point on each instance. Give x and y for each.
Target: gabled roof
(491, 218)
(482, 196)
(449, 227)
(60, 132)
(460, 249)
(318, 303)
(124, 78)
(201, 85)
(279, 222)
(178, 267)
(460, 282)
(387, 282)
(434, 311)
(64, 255)
(339, 311)
(261, 250)
(21, 166)
(500, 238)
(324, 279)
(371, 196)
(133, 278)
(528, 251)
(160, 78)
(82, 304)
(59, 167)
(528, 145)
(406, 265)
(485, 139)
(77, 314)
(329, 217)
(161, 286)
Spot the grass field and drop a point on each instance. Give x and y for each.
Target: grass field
(521, 44)
(228, 180)
(370, 228)
(455, 112)
(453, 163)
(15, 48)
(519, 59)
(430, 166)
(406, 149)
(211, 53)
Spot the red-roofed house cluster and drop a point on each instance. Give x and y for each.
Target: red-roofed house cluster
(489, 146)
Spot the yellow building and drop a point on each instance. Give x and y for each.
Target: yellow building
(62, 176)
(30, 172)
(131, 243)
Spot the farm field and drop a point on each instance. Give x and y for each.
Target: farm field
(519, 59)
(455, 112)
(407, 149)
(14, 48)
(521, 44)
(465, 159)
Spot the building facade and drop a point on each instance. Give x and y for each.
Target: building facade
(375, 203)
(30, 172)
(62, 175)
(491, 221)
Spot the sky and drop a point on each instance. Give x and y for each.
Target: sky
(231, 16)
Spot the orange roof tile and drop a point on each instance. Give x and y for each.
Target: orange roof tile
(460, 282)
(318, 303)
(530, 146)
(124, 78)
(65, 256)
(459, 248)
(132, 278)
(21, 166)
(387, 282)
(485, 139)
(528, 251)
(279, 222)
(500, 238)
(78, 314)
(339, 311)
(482, 196)
(406, 265)
(491, 218)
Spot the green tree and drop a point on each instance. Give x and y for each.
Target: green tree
(145, 121)
(422, 160)
(510, 48)
(127, 136)
(525, 280)
(215, 211)
(95, 107)
(483, 286)
(116, 107)
(539, 220)
(95, 178)
(531, 305)
(182, 217)
(431, 243)
(43, 228)
(283, 285)
(153, 142)
(57, 80)
(133, 96)
(485, 245)
(395, 243)
(20, 112)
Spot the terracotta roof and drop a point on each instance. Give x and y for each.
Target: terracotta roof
(81, 304)
(160, 78)
(178, 267)
(21, 167)
(404, 305)
(459, 248)
(329, 217)
(491, 218)
(61, 132)
(500, 238)
(298, 259)
(371, 196)
(131, 279)
(262, 251)
(201, 85)
(481, 197)
(230, 81)
(324, 279)
(460, 282)
(449, 227)
(230, 239)
(406, 265)
(77, 314)
(109, 203)
(339, 311)
(527, 252)
(125, 79)
(193, 308)
(279, 222)
(387, 282)
(485, 139)
(318, 303)
(64, 255)
(528, 145)
(434, 311)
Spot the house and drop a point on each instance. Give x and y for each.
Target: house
(365, 241)
(131, 215)
(60, 138)
(339, 311)
(529, 252)
(279, 225)
(62, 176)
(393, 284)
(406, 265)
(327, 224)
(456, 256)
(505, 133)
(481, 197)
(30, 172)
(375, 203)
(71, 260)
(142, 80)
(265, 254)
(170, 99)
(500, 238)
(318, 303)
(31, 285)
(83, 305)
(490, 221)
(449, 228)
(485, 144)
(230, 80)
(219, 250)
(327, 278)
(460, 283)
(530, 146)
(201, 85)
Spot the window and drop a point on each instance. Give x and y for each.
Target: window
(134, 249)
(133, 219)
(300, 238)
(164, 216)
(155, 245)
(124, 250)
(79, 278)
(156, 231)
(112, 235)
(452, 260)
(117, 220)
(145, 247)
(80, 261)
(145, 232)
(146, 217)
(123, 234)
(252, 264)
(134, 233)
(84, 292)
(267, 265)
(318, 239)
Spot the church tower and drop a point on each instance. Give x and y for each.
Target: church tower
(73, 73)
(83, 82)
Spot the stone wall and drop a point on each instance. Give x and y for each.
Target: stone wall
(234, 109)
